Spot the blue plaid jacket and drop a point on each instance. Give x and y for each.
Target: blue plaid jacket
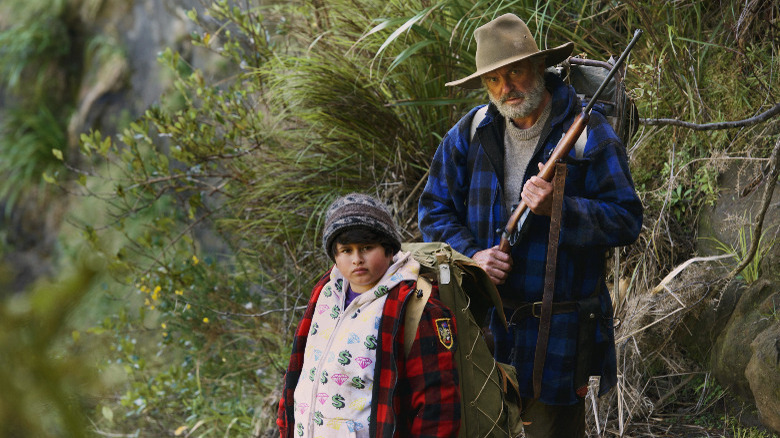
(462, 205)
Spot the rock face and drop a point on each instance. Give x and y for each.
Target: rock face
(746, 353)
(132, 79)
(708, 320)
(763, 373)
(735, 347)
(119, 81)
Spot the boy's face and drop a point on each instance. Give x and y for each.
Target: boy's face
(362, 264)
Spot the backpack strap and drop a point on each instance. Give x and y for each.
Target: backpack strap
(559, 181)
(478, 117)
(414, 310)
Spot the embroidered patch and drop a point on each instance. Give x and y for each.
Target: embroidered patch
(443, 328)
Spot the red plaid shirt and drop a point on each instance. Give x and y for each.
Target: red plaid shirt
(415, 396)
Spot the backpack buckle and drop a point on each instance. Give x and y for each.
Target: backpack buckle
(534, 312)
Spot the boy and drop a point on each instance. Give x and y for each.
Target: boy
(348, 373)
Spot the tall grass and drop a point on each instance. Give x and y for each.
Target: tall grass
(364, 106)
(740, 250)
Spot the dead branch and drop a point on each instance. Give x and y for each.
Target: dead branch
(766, 115)
(663, 284)
(771, 182)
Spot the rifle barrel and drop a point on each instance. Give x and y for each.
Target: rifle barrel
(611, 74)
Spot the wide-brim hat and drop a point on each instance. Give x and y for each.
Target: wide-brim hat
(506, 40)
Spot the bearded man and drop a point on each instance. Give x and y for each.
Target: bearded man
(481, 170)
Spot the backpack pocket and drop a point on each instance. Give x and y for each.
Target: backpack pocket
(512, 401)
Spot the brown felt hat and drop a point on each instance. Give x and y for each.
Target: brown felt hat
(506, 40)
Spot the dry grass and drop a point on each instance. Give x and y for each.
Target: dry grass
(661, 392)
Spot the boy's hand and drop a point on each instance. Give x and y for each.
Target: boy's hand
(495, 263)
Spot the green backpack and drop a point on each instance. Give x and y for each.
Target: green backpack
(490, 398)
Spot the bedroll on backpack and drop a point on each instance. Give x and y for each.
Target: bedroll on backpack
(586, 75)
(490, 398)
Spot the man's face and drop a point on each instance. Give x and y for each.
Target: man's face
(516, 89)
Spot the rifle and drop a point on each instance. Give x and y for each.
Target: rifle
(564, 146)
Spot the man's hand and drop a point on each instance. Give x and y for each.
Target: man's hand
(495, 262)
(537, 195)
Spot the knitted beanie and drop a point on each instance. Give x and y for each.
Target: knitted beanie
(358, 210)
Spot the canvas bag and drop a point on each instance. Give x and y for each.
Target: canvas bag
(490, 396)
(586, 75)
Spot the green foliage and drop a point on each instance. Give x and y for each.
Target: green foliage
(45, 370)
(739, 252)
(701, 402)
(202, 343)
(688, 67)
(187, 354)
(775, 313)
(737, 430)
(243, 37)
(30, 146)
(33, 126)
(694, 186)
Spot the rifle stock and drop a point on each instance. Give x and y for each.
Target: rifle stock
(564, 146)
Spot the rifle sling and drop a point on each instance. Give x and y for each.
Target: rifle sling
(559, 180)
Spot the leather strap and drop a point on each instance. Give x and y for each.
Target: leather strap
(515, 314)
(540, 355)
(414, 311)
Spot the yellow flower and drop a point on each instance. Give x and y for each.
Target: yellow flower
(206, 320)
(178, 292)
(195, 260)
(163, 325)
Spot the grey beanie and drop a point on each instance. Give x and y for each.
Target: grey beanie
(358, 210)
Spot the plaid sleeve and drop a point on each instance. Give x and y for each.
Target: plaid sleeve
(607, 212)
(432, 376)
(442, 206)
(281, 415)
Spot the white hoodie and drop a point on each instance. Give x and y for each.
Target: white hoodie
(333, 395)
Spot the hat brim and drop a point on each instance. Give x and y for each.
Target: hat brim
(552, 57)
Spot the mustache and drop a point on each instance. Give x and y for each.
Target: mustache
(512, 95)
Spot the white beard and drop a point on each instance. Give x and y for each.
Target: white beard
(530, 103)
